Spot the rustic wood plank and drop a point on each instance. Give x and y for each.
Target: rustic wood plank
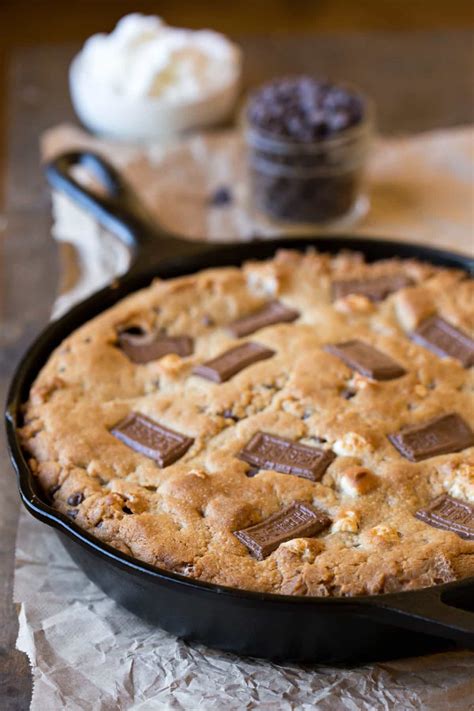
(15, 681)
(29, 287)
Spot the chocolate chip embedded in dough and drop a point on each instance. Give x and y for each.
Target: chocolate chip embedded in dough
(75, 499)
(229, 415)
(207, 320)
(221, 196)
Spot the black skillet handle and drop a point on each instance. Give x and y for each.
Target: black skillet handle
(437, 611)
(116, 207)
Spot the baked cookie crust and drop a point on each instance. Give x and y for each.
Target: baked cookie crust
(183, 516)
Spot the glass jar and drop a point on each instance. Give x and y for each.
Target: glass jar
(317, 182)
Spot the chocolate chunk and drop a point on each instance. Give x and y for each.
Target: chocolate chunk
(443, 435)
(296, 521)
(267, 451)
(144, 347)
(375, 289)
(367, 360)
(232, 361)
(442, 338)
(450, 515)
(149, 438)
(271, 313)
(75, 499)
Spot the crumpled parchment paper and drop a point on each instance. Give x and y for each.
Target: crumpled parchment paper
(89, 654)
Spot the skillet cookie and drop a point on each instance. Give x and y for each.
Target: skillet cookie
(302, 425)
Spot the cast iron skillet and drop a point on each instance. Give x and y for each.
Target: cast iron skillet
(264, 625)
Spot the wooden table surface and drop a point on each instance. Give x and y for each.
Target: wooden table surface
(419, 80)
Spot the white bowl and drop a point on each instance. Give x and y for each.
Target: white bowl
(113, 115)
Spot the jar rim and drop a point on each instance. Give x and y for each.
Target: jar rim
(258, 138)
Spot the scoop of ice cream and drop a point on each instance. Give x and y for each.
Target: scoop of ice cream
(145, 57)
(148, 81)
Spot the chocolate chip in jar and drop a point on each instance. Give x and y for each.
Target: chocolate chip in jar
(308, 141)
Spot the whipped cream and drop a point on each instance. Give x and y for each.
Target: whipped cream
(144, 61)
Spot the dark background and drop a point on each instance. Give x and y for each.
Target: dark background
(27, 22)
